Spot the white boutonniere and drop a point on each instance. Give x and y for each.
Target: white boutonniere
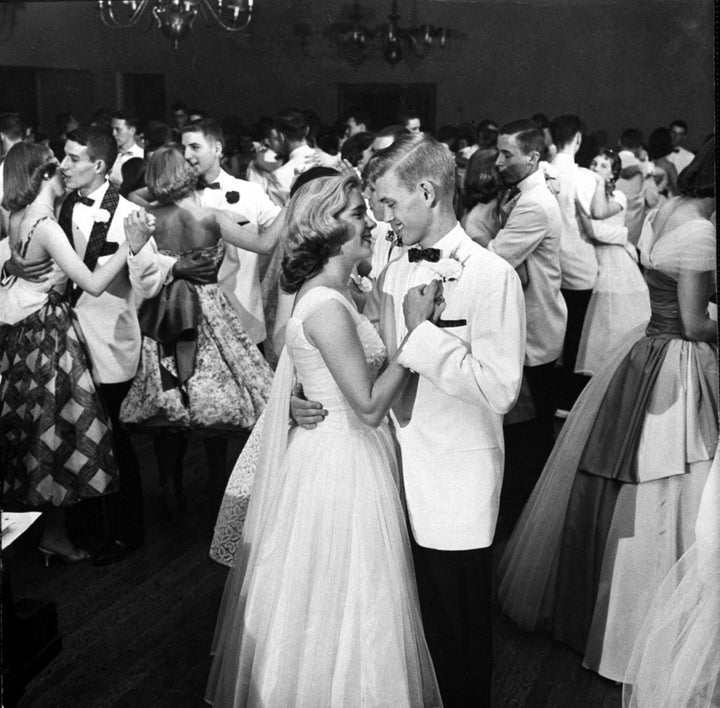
(448, 269)
(363, 283)
(102, 216)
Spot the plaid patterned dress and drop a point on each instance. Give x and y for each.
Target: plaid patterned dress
(55, 436)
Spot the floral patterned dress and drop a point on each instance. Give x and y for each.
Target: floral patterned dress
(198, 370)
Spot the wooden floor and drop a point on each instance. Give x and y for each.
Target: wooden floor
(137, 634)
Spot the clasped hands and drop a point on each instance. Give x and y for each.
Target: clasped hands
(421, 303)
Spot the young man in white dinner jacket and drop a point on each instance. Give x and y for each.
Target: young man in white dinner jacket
(94, 217)
(239, 274)
(448, 419)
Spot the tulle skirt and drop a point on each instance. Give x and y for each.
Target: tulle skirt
(620, 302)
(676, 660)
(327, 614)
(611, 575)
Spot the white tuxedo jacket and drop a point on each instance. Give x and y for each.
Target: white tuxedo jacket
(449, 419)
(239, 274)
(109, 322)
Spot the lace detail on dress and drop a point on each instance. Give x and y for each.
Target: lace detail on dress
(231, 518)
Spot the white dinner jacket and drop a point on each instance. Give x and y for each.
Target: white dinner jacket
(109, 322)
(239, 274)
(470, 373)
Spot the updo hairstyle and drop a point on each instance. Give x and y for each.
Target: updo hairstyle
(24, 168)
(169, 177)
(314, 231)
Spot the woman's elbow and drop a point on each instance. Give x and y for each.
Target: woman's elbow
(693, 331)
(372, 419)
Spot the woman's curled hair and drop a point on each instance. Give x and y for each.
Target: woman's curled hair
(25, 166)
(314, 231)
(168, 176)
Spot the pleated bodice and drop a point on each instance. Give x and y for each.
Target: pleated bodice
(665, 317)
(310, 367)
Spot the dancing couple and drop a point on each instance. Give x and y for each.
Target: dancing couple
(321, 607)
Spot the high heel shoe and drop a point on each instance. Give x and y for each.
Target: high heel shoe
(77, 555)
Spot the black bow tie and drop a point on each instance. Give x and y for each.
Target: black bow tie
(202, 184)
(676, 149)
(86, 201)
(424, 254)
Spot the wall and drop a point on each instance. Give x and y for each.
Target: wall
(617, 63)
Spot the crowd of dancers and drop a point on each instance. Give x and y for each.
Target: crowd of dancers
(400, 323)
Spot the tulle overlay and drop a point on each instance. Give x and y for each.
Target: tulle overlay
(676, 660)
(230, 383)
(619, 303)
(595, 541)
(56, 438)
(320, 608)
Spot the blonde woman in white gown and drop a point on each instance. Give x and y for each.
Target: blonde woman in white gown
(320, 608)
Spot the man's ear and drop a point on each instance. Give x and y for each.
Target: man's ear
(429, 192)
(101, 167)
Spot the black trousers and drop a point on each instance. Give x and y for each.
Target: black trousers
(455, 589)
(572, 384)
(529, 444)
(125, 509)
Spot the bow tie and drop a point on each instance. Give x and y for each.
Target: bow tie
(85, 201)
(424, 254)
(676, 149)
(202, 184)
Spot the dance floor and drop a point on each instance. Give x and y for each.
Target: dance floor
(137, 633)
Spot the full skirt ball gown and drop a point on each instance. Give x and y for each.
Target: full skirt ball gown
(616, 505)
(55, 435)
(198, 370)
(676, 660)
(321, 608)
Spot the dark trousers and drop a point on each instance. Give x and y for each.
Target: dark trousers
(529, 444)
(455, 589)
(572, 384)
(125, 509)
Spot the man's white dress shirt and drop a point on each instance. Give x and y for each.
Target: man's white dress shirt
(577, 255)
(284, 176)
(122, 157)
(681, 158)
(239, 275)
(109, 321)
(532, 236)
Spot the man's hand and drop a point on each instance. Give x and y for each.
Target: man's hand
(423, 302)
(35, 271)
(196, 268)
(307, 414)
(139, 226)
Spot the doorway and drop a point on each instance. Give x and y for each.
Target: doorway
(385, 102)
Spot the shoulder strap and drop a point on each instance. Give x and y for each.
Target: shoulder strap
(30, 235)
(316, 298)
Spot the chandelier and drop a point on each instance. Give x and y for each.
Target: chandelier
(175, 18)
(357, 42)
